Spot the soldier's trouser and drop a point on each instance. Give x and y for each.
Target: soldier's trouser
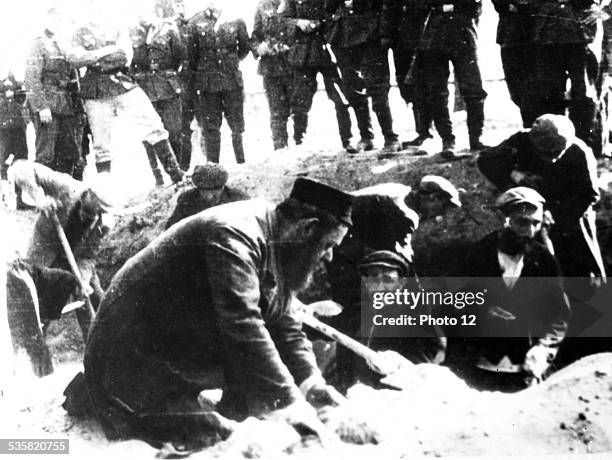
(142, 118)
(188, 111)
(12, 141)
(467, 73)
(279, 89)
(170, 112)
(371, 61)
(554, 65)
(304, 89)
(59, 143)
(415, 94)
(519, 74)
(213, 105)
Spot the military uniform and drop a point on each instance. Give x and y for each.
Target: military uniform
(450, 36)
(158, 54)
(51, 83)
(215, 54)
(107, 88)
(564, 49)
(271, 31)
(308, 56)
(12, 122)
(355, 35)
(403, 27)
(188, 98)
(514, 35)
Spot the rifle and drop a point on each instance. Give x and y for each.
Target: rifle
(415, 60)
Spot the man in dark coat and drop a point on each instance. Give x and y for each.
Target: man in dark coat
(208, 304)
(525, 315)
(514, 36)
(355, 35)
(209, 190)
(451, 36)
(217, 46)
(270, 42)
(159, 53)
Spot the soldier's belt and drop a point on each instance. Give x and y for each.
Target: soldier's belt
(162, 73)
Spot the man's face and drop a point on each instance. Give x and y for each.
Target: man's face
(211, 196)
(378, 279)
(304, 250)
(526, 222)
(432, 203)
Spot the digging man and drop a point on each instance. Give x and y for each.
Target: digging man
(208, 304)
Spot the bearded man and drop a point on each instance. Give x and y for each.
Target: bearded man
(209, 304)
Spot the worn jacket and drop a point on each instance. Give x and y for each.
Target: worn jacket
(569, 185)
(12, 98)
(354, 26)
(537, 301)
(402, 23)
(516, 21)
(206, 294)
(49, 78)
(271, 28)
(308, 48)
(561, 22)
(216, 51)
(450, 31)
(158, 55)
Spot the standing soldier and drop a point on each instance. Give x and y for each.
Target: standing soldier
(216, 48)
(514, 35)
(310, 55)
(270, 45)
(12, 128)
(355, 35)
(56, 108)
(403, 27)
(105, 49)
(450, 36)
(158, 54)
(566, 34)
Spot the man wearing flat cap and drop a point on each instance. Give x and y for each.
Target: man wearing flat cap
(209, 190)
(209, 304)
(525, 314)
(550, 159)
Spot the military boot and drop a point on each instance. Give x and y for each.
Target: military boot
(475, 123)
(152, 157)
(212, 145)
(449, 149)
(168, 160)
(238, 147)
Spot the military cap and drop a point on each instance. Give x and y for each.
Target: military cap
(387, 259)
(519, 196)
(209, 176)
(551, 133)
(431, 183)
(324, 197)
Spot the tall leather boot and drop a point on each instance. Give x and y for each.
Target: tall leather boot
(364, 123)
(238, 147)
(300, 123)
(152, 157)
(168, 160)
(212, 145)
(475, 123)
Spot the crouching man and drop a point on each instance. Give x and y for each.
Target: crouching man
(208, 304)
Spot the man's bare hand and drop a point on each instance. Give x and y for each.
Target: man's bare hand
(306, 25)
(320, 395)
(48, 207)
(45, 116)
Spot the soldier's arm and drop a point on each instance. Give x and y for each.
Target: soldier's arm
(178, 48)
(193, 48)
(244, 43)
(257, 37)
(33, 82)
(120, 53)
(497, 163)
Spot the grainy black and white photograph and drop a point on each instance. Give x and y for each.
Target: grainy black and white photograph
(306, 229)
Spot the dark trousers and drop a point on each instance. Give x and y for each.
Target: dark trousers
(170, 111)
(554, 65)
(59, 143)
(467, 74)
(413, 92)
(304, 89)
(213, 105)
(519, 74)
(188, 111)
(370, 61)
(279, 89)
(12, 141)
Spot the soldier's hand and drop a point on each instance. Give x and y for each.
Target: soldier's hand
(306, 25)
(45, 116)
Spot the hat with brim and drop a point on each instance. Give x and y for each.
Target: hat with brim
(324, 197)
(431, 183)
(384, 259)
(516, 197)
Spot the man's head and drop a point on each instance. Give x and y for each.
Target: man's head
(524, 211)
(210, 179)
(435, 195)
(312, 221)
(551, 134)
(383, 270)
